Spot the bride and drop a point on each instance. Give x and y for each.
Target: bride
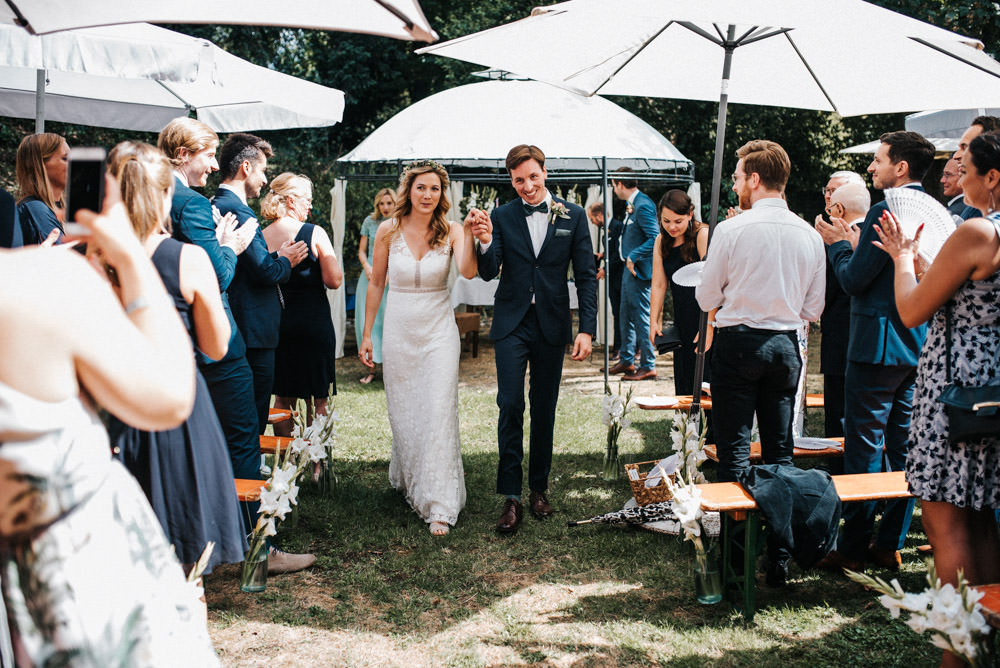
(420, 342)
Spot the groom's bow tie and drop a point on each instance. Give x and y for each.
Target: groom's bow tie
(540, 208)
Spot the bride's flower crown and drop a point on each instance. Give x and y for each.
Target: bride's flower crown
(423, 163)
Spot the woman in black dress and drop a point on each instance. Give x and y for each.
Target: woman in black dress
(682, 240)
(304, 362)
(185, 472)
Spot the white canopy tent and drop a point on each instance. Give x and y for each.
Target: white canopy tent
(942, 128)
(472, 127)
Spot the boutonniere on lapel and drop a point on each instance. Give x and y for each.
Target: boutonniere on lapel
(557, 210)
(629, 209)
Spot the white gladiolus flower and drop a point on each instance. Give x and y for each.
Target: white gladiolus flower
(298, 445)
(316, 452)
(269, 528)
(269, 499)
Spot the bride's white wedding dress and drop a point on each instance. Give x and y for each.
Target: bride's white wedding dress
(420, 352)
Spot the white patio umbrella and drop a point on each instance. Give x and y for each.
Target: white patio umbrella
(846, 56)
(402, 19)
(228, 93)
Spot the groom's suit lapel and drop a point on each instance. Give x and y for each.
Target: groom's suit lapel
(550, 228)
(520, 222)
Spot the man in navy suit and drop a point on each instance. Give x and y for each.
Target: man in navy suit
(10, 227)
(533, 239)
(881, 360)
(951, 188)
(254, 295)
(636, 249)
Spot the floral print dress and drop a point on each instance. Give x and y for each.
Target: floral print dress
(87, 576)
(965, 474)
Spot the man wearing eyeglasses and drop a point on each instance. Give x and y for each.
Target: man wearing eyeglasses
(836, 321)
(953, 189)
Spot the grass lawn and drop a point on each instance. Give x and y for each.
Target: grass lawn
(385, 592)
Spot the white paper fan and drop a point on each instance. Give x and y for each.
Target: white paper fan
(689, 275)
(913, 207)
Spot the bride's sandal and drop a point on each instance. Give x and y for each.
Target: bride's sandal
(439, 529)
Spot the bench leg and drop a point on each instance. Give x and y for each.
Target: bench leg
(475, 343)
(741, 539)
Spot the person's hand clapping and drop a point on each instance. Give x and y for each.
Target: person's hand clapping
(893, 241)
(836, 230)
(294, 252)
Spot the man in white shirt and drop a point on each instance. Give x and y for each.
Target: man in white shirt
(765, 273)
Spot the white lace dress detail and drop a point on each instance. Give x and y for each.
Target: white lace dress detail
(420, 352)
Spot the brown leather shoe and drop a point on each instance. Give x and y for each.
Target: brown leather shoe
(885, 558)
(648, 374)
(539, 503)
(837, 562)
(621, 367)
(510, 518)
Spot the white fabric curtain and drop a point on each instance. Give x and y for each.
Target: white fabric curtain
(338, 297)
(694, 192)
(455, 189)
(594, 195)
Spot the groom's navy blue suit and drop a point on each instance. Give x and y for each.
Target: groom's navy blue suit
(532, 323)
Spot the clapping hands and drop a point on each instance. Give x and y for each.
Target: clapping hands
(229, 235)
(892, 239)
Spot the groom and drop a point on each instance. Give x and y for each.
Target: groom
(533, 239)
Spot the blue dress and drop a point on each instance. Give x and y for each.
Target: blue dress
(37, 221)
(304, 362)
(368, 229)
(185, 472)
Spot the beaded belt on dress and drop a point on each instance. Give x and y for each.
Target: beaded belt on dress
(396, 289)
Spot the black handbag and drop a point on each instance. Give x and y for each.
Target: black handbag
(668, 341)
(973, 412)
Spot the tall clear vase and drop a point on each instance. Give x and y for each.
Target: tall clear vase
(253, 577)
(611, 469)
(707, 578)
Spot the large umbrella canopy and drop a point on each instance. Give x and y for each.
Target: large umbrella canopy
(111, 51)
(846, 56)
(402, 19)
(477, 124)
(229, 94)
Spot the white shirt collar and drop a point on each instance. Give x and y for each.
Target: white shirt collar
(182, 178)
(770, 201)
(240, 192)
(631, 198)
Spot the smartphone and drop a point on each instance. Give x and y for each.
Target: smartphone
(85, 184)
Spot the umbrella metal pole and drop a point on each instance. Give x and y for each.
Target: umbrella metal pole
(607, 272)
(720, 139)
(40, 101)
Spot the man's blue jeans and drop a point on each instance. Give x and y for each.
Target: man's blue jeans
(634, 311)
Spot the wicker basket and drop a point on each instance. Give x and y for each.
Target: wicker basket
(637, 479)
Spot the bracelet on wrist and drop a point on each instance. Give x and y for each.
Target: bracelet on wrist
(137, 304)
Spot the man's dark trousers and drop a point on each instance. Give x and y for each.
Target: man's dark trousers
(883, 395)
(514, 352)
(754, 371)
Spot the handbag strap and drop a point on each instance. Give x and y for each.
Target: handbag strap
(947, 342)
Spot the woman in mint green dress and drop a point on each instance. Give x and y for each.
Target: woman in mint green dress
(383, 205)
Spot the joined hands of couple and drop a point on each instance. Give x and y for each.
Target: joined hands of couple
(479, 223)
(239, 238)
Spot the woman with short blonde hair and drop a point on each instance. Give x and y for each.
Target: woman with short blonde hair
(304, 361)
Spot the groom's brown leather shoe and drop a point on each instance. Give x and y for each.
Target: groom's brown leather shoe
(539, 504)
(510, 518)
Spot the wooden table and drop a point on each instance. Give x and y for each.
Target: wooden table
(684, 402)
(804, 453)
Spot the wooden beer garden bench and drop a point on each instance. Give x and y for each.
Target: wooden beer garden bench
(468, 327)
(741, 523)
(278, 415)
(799, 453)
(271, 445)
(991, 603)
(684, 402)
(248, 490)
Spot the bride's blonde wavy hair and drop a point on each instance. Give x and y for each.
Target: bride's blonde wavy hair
(440, 227)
